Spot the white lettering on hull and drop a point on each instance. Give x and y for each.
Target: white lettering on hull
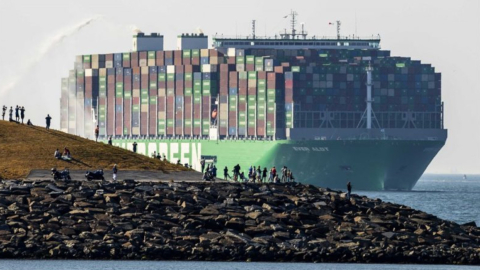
(190, 153)
(308, 149)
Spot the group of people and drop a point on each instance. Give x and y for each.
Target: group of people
(19, 114)
(66, 155)
(255, 174)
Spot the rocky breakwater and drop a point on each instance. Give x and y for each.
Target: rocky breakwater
(219, 221)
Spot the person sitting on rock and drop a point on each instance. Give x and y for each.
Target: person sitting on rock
(29, 123)
(57, 154)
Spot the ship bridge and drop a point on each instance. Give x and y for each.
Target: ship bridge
(372, 43)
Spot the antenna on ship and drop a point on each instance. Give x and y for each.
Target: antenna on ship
(303, 34)
(293, 22)
(253, 29)
(339, 23)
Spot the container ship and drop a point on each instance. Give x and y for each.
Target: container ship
(332, 109)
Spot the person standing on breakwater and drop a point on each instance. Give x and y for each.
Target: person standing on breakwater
(115, 171)
(22, 113)
(48, 119)
(264, 174)
(4, 109)
(259, 174)
(97, 131)
(284, 174)
(17, 117)
(110, 140)
(135, 147)
(225, 174)
(214, 172)
(202, 163)
(349, 190)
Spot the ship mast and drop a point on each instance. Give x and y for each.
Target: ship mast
(369, 100)
(293, 14)
(253, 29)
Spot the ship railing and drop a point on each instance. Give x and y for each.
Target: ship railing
(385, 119)
(278, 37)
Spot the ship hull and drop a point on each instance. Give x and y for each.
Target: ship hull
(367, 164)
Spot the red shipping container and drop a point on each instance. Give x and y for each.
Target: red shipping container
(143, 123)
(262, 75)
(153, 119)
(196, 131)
(170, 131)
(127, 115)
(109, 57)
(188, 68)
(223, 131)
(206, 107)
(134, 59)
(161, 104)
(251, 131)
(233, 79)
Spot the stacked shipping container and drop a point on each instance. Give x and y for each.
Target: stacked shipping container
(256, 93)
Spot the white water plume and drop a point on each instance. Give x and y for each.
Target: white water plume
(44, 49)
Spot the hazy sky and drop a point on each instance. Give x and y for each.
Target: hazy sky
(39, 43)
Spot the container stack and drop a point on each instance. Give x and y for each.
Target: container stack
(136, 101)
(127, 99)
(170, 99)
(88, 128)
(179, 98)
(255, 92)
(102, 101)
(188, 99)
(64, 106)
(118, 98)
(80, 103)
(153, 101)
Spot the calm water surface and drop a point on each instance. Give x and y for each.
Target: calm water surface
(149, 265)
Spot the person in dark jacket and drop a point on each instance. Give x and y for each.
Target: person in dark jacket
(115, 171)
(135, 147)
(10, 114)
(48, 119)
(4, 109)
(225, 174)
(17, 117)
(97, 131)
(349, 190)
(22, 113)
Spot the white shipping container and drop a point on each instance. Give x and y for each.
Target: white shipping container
(170, 69)
(206, 68)
(88, 73)
(231, 52)
(108, 64)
